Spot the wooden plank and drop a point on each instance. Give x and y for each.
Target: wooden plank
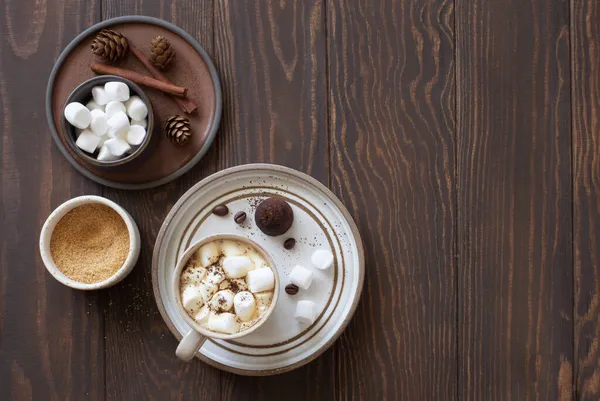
(515, 292)
(391, 104)
(271, 58)
(140, 350)
(585, 82)
(47, 331)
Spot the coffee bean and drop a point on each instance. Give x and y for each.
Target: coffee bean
(291, 289)
(239, 217)
(289, 243)
(221, 210)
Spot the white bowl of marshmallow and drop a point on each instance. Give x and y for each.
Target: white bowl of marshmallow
(108, 121)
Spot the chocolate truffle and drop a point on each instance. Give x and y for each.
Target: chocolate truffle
(274, 216)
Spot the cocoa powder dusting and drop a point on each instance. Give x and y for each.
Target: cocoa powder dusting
(90, 243)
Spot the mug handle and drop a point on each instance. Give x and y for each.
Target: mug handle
(189, 345)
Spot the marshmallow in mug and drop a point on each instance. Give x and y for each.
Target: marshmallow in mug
(116, 118)
(244, 305)
(225, 290)
(260, 280)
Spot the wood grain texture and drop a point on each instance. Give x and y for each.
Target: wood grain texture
(391, 104)
(140, 350)
(514, 201)
(461, 135)
(271, 59)
(47, 331)
(585, 83)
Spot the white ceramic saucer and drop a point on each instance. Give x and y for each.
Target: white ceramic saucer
(320, 222)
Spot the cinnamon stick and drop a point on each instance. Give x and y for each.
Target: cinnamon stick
(186, 105)
(138, 78)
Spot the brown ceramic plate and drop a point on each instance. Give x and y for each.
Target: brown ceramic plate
(191, 68)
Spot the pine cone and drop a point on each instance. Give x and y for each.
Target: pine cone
(161, 52)
(178, 129)
(110, 45)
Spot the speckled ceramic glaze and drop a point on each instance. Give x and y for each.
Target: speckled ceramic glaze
(320, 222)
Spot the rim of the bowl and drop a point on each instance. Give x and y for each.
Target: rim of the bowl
(263, 167)
(64, 208)
(212, 131)
(181, 264)
(66, 126)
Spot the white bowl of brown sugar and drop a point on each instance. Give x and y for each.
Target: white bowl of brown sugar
(89, 243)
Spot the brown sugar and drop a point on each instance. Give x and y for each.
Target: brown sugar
(90, 243)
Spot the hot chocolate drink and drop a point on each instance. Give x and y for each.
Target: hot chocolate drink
(226, 286)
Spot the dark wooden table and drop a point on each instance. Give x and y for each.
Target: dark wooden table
(463, 136)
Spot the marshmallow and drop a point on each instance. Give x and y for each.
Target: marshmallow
(105, 154)
(223, 323)
(135, 135)
(258, 260)
(244, 305)
(306, 312)
(202, 315)
(222, 301)
(113, 107)
(301, 276)
(136, 108)
(240, 283)
(209, 254)
(231, 248)
(215, 276)
(207, 289)
(193, 275)
(117, 91)
(191, 298)
(78, 115)
(87, 141)
(99, 124)
(118, 124)
(117, 146)
(260, 280)
(142, 123)
(100, 96)
(237, 266)
(91, 105)
(97, 113)
(263, 300)
(322, 259)
(117, 134)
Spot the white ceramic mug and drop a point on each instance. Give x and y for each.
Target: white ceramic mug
(197, 335)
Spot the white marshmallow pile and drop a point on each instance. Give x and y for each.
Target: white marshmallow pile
(113, 123)
(227, 286)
